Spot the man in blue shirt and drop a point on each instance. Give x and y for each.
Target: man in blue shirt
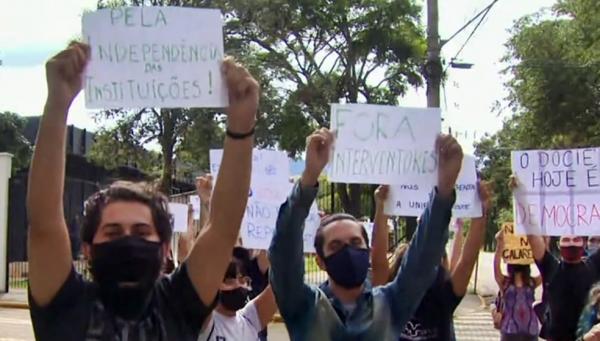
(344, 308)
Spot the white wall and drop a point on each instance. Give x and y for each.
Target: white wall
(5, 170)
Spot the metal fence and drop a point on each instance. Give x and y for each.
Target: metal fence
(18, 273)
(328, 200)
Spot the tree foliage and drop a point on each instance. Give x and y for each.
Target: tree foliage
(554, 89)
(323, 51)
(12, 140)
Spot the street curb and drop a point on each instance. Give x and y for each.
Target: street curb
(14, 305)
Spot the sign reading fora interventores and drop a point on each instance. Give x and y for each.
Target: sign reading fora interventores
(154, 57)
(379, 144)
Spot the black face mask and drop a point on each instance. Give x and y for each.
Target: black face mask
(127, 259)
(235, 299)
(348, 267)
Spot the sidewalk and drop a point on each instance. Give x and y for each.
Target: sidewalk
(15, 298)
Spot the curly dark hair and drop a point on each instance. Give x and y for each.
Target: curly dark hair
(129, 192)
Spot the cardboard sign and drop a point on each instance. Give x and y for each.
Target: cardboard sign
(163, 57)
(410, 199)
(179, 213)
(378, 144)
(557, 192)
(516, 247)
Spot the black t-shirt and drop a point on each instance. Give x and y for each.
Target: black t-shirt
(176, 312)
(568, 286)
(433, 318)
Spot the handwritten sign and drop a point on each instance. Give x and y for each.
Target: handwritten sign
(270, 179)
(516, 247)
(379, 144)
(410, 199)
(179, 214)
(154, 57)
(557, 192)
(196, 206)
(259, 222)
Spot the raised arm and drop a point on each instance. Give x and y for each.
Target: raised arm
(538, 246)
(211, 253)
(500, 278)
(419, 265)
(379, 246)
(204, 187)
(464, 268)
(266, 306)
(286, 250)
(457, 245)
(49, 248)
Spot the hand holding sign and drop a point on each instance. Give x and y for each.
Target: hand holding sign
(318, 150)
(450, 158)
(63, 75)
(243, 97)
(381, 195)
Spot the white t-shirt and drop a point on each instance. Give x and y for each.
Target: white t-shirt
(245, 325)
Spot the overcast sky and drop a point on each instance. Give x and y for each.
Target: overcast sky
(33, 30)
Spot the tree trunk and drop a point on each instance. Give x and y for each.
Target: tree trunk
(167, 143)
(350, 198)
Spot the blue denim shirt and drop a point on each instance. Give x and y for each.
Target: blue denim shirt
(312, 313)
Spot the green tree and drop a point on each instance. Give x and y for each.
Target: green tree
(554, 90)
(12, 140)
(323, 51)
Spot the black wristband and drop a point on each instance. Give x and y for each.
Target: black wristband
(238, 136)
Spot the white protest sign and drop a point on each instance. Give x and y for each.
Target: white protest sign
(270, 180)
(179, 213)
(378, 144)
(311, 224)
(558, 192)
(410, 199)
(197, 207)
(154, 57)
(259, 222)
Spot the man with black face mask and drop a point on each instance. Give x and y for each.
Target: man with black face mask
(345, 308)
(237, 316)
(126, 231)
(567, 281)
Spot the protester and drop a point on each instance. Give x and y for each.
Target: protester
(235, 318)
(344, 308)
(258, 271)
(433, 318)
(593, 244)
(126, 231)
(590, 316)
(517, 291)
(185, 243)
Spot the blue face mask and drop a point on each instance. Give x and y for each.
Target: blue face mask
(348, 267)
(591, 249)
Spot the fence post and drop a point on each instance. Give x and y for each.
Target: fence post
(332, 190)
(5, 170)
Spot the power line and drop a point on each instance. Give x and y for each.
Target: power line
(485, 10)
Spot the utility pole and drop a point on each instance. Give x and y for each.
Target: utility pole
(433, 74)
(433, 66)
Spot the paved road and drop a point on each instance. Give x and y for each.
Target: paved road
(16, 326)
